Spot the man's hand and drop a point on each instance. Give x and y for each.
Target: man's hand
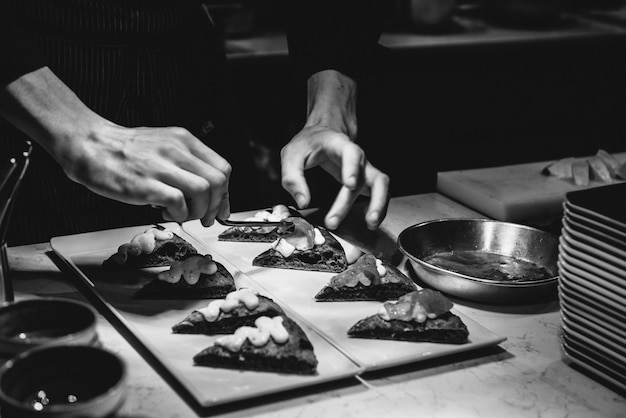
(164, 167)
(346, 162)
(326, 141)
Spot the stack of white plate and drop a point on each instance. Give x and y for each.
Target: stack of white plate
(592, 281)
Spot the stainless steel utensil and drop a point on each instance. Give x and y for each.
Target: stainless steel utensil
(12, 175)
(421, 241)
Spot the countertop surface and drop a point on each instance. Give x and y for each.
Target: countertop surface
(525, 375)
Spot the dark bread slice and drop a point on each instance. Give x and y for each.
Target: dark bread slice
(214, 286)
(166, 253)
(395, 284)
(249, 234)
(447, 328)
(254, 234)
(296, 356)
(328, 257)
(227, 322)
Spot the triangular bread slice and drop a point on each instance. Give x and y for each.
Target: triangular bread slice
(227, 322)
(362, 280)
(296, 356)
(327, 257)
(259, 233)
(209, 286)
(165, 253)
(420, 316)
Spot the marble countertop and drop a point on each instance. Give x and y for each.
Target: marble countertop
(526, 375)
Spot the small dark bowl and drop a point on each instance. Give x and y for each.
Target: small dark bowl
(529, 246)
(62, 381)
(34, 322)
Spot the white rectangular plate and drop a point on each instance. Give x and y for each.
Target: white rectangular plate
(147, 323)
(297, 290)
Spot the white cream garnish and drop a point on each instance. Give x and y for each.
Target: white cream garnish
(304, 238)
(319, 238)
(190, 269)
(259, 335)
(380, 268)
(246, 297)
(283, 247)
(143, 243)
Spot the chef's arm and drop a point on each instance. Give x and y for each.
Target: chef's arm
(165, 167)
(331, 102)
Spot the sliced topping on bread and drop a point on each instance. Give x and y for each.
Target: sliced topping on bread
(416, 306)
(420, 316)
(304, 247)
(369, 278)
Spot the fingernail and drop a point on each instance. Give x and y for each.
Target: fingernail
(300, 200)
(332, 222)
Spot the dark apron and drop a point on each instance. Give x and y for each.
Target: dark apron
(136, 63)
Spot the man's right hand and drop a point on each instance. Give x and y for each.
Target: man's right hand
(164, 167)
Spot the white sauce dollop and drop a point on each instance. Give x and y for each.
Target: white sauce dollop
(246, 297)
(190, 269)
(259, 335)
(143, 243)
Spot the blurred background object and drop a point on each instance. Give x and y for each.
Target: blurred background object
(527, 11)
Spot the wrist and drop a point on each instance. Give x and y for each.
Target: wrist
(43, 107)
(331, 102)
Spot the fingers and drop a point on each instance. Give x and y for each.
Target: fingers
(340, 208)
(292, 173)
(379, 197)
(352, 166)
(377, 186)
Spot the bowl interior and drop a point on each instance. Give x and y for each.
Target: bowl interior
(38, 321)
(61, 378)
(483, 249)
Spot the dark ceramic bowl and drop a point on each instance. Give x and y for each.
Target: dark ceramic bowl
(62, 381)
(33, 322)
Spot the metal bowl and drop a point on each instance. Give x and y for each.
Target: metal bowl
(529, 275)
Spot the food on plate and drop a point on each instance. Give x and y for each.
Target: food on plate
(276, 344)
(602, 167)
(304, 247)
(155, 247)
(258, 233)
(580, 171)
(610, 161)
(223, 316)
(195, 277)
(369, 278)
(599, 170)
(561, 168)
(419, 316)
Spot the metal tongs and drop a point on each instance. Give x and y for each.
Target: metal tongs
(11, 175)
(284, 226)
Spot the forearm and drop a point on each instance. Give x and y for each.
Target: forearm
(331, 102)
(48, 111)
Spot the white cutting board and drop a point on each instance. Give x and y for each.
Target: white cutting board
(513, 193)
